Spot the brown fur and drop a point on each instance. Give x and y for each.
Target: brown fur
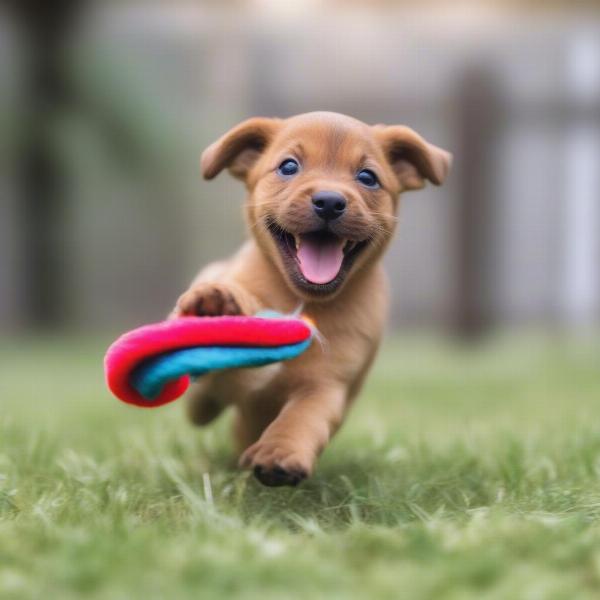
(287, 413)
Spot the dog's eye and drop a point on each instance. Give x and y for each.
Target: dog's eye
(288, 167)
(367, 178)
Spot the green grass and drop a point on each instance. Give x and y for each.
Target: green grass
(461, 473)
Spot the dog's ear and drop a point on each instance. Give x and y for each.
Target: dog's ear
(239, 149)
(412, 158)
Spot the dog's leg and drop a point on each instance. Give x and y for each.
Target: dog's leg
(208, 299)
(287, 450)
(250, 423)
(205, 399)
(256, 412)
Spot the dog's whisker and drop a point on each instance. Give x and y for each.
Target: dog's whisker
(266, 203)
(298, 310)
(322, 341)
(386, 216)
(255, 225)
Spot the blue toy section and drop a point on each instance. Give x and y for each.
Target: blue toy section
(151, 376)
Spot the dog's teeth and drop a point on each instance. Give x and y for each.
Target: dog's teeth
(297, 242)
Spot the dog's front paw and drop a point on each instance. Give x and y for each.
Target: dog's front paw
(274, 464)
(208, 300)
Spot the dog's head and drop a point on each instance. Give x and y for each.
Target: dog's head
(323, 190)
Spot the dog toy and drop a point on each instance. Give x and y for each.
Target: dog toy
(154, 364)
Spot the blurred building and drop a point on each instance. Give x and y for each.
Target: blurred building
(513, 238)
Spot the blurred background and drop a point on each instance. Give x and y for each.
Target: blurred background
(105, 108)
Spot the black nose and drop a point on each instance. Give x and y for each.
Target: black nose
(329, 205)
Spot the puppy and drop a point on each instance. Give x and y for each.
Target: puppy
(321, 209)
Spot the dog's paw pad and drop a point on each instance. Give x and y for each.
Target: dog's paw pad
(208, 301)
(277, 476)
(275, 464)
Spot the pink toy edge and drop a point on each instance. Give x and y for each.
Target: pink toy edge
(149, 340)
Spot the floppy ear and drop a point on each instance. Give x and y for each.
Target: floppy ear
(239, 149)
(412, 158)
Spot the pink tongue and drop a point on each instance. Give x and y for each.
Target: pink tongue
(320, 258)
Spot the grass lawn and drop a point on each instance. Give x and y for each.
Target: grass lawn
(461, 473)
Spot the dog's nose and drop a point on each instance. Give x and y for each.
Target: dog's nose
(329, 205)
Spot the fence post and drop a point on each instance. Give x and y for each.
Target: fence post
(479, 119)
(46, 27)
(580, 276)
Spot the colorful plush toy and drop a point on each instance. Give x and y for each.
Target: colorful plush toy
(152, 365)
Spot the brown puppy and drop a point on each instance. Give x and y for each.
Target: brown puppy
(321, 209)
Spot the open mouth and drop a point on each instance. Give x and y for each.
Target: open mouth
(317, 261)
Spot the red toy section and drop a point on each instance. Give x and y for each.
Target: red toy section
(132, 348)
